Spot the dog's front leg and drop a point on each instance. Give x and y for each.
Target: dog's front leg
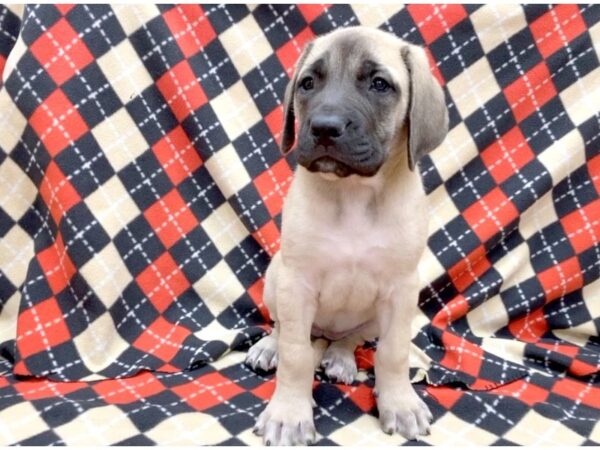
(400, 408)
(288, 418)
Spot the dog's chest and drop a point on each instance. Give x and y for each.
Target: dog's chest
(357, 241)
(355, 256)
(350, 249)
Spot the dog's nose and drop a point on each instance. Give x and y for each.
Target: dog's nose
(325, 127)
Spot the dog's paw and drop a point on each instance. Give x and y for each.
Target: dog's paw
(263, 354)
(287, 423)
(339, 365)
(403, 412)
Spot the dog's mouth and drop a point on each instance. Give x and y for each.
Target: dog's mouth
(334, 162)
(327, 164)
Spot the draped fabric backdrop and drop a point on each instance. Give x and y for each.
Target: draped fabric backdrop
(141, 189)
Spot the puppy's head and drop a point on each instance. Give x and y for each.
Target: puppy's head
(355, 93)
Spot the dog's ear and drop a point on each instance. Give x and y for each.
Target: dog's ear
(289, 117)
(427, 118)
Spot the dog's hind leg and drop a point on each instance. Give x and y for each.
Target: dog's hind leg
(263, 354)
(339, 362)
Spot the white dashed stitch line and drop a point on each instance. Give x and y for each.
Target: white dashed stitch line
(200, 127)
(477, 195)
(441, 290)
(540, 295)
(2, 27)
(203, 388)
(163, 280)
(584, 95)
(454, 242)
(509, 309)
(505, 64)
(25, 292)
(514, 57)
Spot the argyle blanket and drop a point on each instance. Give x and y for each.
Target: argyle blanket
(141, 189)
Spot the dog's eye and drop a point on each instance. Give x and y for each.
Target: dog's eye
(380, 85)
(307, 83)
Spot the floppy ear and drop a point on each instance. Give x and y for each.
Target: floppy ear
(427, 118)
(289, 117)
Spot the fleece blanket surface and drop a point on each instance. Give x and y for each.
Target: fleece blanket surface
(141, 189)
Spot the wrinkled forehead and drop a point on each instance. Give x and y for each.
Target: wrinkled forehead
(355, 53)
